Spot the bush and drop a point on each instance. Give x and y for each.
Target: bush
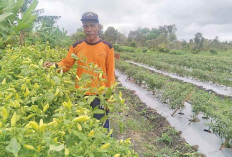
(145, 50)
(116, 47)
(133, 44)
(195, 50)
(213, 51)
(163, 48)
(176, 52)
(119, 48)
(126, 49)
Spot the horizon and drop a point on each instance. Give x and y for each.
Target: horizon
(209, 17)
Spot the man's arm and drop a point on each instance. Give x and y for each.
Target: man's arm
(67, 62)
(110, 68)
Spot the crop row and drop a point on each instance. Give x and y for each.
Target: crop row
(206, 63)
(176, 93)
(205, 69)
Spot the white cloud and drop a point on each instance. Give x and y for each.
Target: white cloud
(210, 17)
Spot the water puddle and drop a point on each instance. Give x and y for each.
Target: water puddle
(219, 89)
(208, 143)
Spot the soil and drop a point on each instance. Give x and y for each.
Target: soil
(151, 134)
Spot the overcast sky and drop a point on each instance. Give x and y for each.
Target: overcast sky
(210, 17)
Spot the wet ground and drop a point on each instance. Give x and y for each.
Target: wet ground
(219, 89)
(208, 143)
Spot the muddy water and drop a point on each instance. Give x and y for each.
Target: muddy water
(219, 89)
(208, 143)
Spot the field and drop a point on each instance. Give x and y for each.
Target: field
(212, 68)
(150, 133)
(165, 89)
(36, 107)
(204, 67)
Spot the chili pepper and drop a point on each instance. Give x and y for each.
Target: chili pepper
(105, 146)
(13, 119)
(27, 146)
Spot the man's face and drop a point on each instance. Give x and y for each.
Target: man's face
(91, 30)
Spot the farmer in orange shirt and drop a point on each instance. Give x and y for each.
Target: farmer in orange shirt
(96, 51)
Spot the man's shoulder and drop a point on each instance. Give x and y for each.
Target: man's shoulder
(107, 43)
(77, 43)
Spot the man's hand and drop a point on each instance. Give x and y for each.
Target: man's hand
(48, 64)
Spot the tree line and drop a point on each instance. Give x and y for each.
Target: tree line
(163, 38)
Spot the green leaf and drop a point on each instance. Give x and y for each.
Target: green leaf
(18, 5)
(98, 111)
(56, 79)
(104, 118)
(27, 18)
(10, 6)
(4, 16)
(58, 115)
(30, 9)
(50, 96)
(121, 126)
(13, 147)
(33, 99)
(80, 135)
(56, 148)
(90, 99)
(102, 150)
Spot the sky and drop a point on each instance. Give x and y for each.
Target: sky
(210, 17)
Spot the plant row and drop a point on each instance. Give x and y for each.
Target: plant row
(204, 68)
(176, 93)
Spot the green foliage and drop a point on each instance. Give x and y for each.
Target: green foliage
(12, 26)
(213, 51)
(176, 52)
(111, 34)
(116, 47)
(195, 50)
(17, 19)
(145, 50)
(166, 138)
(132, 44)
(125, 49)
(156, 36)
(47, 32)
(205, 68)
(77, 36)
(166, 35)
(47, 21)
(42, 114)
(199, 40)
(163, 48)
(53, 35)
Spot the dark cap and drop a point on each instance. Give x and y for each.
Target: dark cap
(89, 16)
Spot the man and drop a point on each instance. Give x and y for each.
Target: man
(96, 51)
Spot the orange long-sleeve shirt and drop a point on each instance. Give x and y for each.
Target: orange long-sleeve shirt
(100, 53)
